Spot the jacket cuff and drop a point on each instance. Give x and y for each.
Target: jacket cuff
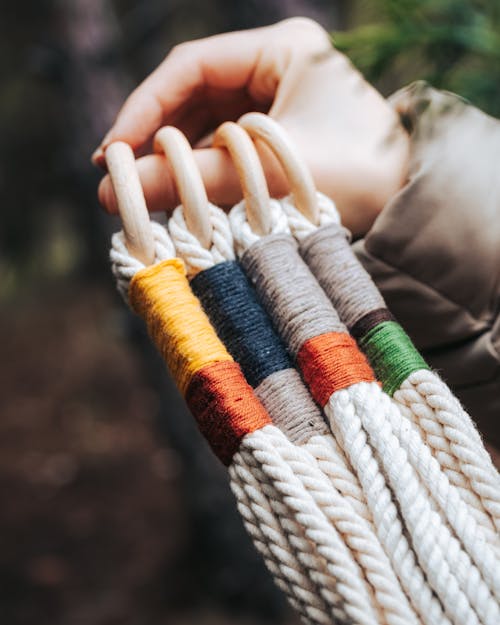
(434, 250)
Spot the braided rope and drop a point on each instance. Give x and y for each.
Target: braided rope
(124, 266)
(277, 295)
(427, 401)
(358, 532)
(299, 522)
(194, 255)
(280, 558)
(197, 260)
(244, 236)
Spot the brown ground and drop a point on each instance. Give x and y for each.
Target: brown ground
(94, 523)
(93, 526)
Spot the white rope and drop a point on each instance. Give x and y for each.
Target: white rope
(280, 558)
(333, 462)
(256, 504)
(243, 234)
(246, 470)
(196, 259)
(124, 265)
(194, 255)
(348, 429)
(280, 460)
(311, 516)
(449, 569)
(349, 512)
(415, 408)
(299, 224)
(357, 532)
(453, 507)
(426, 401)
(424, 388)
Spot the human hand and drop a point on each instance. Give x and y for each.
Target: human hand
(347, 133)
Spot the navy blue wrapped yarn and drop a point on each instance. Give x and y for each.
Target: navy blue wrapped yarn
(240, 321)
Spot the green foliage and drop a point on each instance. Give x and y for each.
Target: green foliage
(454, 44)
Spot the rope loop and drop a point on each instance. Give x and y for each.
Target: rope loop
(251, 175)
(138, 233)
(195, 256)
(173, 143)
(300, 225)
(262, 127)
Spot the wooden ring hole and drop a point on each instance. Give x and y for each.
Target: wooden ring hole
(250, 172)
(172, 142)
(132, 207)
(260, 126)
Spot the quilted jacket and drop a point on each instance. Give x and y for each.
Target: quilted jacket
(434, 250)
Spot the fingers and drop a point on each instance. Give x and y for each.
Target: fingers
(223, 62)
(218, 173)
(251, 62)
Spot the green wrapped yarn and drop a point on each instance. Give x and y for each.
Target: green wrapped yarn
(391, 354)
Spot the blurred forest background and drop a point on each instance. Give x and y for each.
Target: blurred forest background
(113, 510)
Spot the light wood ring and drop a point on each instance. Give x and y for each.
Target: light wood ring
(132, 207)
(260, 126)
(172, 142)
(250, 172)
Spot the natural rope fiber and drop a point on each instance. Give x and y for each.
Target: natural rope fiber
(227, 412)
(422, 397)
(465, 591)
(381, 505)
(247, 332)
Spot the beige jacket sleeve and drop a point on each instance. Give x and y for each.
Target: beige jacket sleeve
(434, 251)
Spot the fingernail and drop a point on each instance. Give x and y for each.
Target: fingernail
(97, 157)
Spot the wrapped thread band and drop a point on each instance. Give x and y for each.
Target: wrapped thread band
(240, 321)
(225, 407)
(391, 354)
(175, 320)
(370, 321)
(331, 362)
(216, 391)
(246, 330)
(360, 305)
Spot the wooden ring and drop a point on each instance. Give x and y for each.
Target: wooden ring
(188, 181)
(260, 126)
(132, 207)
(250, 172)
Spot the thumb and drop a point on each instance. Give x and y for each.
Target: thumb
(217, 170)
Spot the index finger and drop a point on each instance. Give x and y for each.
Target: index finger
(223, 61)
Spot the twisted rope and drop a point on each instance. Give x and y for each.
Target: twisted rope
(262, 263)
(167, 324)
(194, 255)
(242, 325)
(124, 266)
(265, 519)
(421, 395)
(283, 462)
